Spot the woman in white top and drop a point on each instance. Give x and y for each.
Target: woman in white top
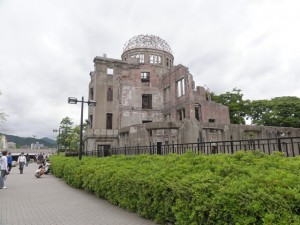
(22, 162)
(4, 169)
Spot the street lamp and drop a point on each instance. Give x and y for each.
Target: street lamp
(34, 142)
(72, 100)
(55, 130)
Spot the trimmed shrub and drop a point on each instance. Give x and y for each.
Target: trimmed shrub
(247, 187)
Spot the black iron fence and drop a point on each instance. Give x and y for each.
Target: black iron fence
(289, 146)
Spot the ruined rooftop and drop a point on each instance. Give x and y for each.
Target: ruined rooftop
(147, 41)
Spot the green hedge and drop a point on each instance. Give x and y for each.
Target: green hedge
(243, 188)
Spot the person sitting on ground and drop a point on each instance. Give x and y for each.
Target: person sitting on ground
(47, 167)
(39, 172)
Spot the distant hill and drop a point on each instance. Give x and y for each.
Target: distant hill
(49, 140)
(22, 141)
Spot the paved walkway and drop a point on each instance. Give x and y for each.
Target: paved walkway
(49, 201)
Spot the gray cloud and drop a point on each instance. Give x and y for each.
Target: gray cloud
(47, 49)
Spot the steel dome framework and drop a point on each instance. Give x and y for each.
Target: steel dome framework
(147, 41)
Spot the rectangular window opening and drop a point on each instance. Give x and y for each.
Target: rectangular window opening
(139, 57)
(146, 101)
(110, 93)
(155, 59)
(152, 59)
(147, 121)
(181, 114)
(145, 76)
(91, 94)
(211, 120)
(110, 71)
(159, 59)
(197, 112)
(109, 120)
(180, 87)
(90, 121)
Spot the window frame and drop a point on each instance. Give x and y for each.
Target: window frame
(146, 101)
(109, 123)
(145, 77)
(110, 71)
(180, 87)
(181, 114)
(110, 94)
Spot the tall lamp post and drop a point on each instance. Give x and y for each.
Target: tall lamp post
(72, 100)
(55, 130)
(34, 142)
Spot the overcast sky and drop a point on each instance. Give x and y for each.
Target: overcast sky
(47, 49)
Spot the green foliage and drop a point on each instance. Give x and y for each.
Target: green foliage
(69, 137)
(238, 107)
(247, 187)
(65, 130)
(280, 111)
(73, 138)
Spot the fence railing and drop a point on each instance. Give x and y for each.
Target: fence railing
(289, 146)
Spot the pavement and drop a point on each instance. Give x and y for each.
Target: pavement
(50, 201)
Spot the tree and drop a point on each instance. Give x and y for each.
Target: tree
(238, 107)
(74, 138)
(279, 111)
(65, 129)
(69, 135)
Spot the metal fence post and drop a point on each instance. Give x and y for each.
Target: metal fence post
(279, 144)
(231, 144)
(292, 143)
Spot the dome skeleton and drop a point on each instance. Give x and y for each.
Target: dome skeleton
(147, 41)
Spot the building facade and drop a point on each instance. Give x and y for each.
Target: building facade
(144, 99)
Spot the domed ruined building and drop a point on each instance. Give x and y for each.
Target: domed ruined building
(144, 99)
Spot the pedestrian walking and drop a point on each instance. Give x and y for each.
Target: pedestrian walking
(27, 159)
(9, 161)
(4, 169)
(40, 159)
(21, 162)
